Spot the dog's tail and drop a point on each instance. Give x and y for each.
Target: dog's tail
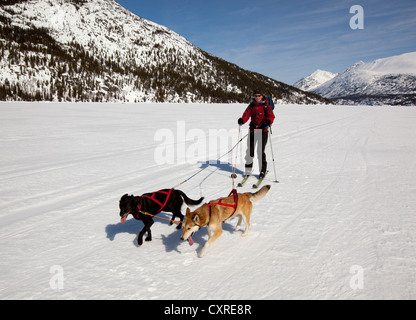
(189, 201)
(259, 194)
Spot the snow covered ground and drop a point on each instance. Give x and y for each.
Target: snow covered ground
(340, 224)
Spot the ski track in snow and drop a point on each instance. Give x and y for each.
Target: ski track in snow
(346, 198)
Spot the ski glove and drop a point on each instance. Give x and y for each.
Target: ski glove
(240, 121)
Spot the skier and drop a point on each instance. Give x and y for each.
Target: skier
(262, 117)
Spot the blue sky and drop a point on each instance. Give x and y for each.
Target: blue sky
(287, 39)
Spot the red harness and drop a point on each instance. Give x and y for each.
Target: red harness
(234, 193)
(152, 197)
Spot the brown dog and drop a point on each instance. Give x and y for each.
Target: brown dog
(213, 215)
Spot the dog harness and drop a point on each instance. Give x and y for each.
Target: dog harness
(152, 197)
(234, 193)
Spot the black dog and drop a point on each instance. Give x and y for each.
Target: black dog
(168, 200)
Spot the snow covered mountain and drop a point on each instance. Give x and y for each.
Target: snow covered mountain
(95, 50)
(390, 81)
(314, 80)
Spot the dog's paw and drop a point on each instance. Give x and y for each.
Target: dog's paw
(203, 251)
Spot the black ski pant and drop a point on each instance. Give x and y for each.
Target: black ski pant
(257, 137)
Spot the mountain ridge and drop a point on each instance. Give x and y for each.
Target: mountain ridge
(390, 80)
(96, 50)
(314, 80)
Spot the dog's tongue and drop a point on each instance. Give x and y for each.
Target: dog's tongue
(190, 240)
(123, 219)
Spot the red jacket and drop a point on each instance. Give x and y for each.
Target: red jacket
(258, 112)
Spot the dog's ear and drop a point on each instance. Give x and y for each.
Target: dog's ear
(196, 219)
(188, 212)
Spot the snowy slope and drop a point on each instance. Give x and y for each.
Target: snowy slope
(389, 76)
(98, 24)
(340, 224)
(362, 78)
(314, 80)
(389, 80)
(98, 51)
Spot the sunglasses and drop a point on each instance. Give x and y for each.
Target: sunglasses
(257, 95)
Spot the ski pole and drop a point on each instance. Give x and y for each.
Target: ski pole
(233, 174)
(274, 163)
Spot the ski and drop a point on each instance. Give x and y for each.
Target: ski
(256, 185)
(242, 183)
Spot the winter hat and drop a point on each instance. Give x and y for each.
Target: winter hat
(258, 91)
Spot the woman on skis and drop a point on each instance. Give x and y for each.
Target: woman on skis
(262, 117)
